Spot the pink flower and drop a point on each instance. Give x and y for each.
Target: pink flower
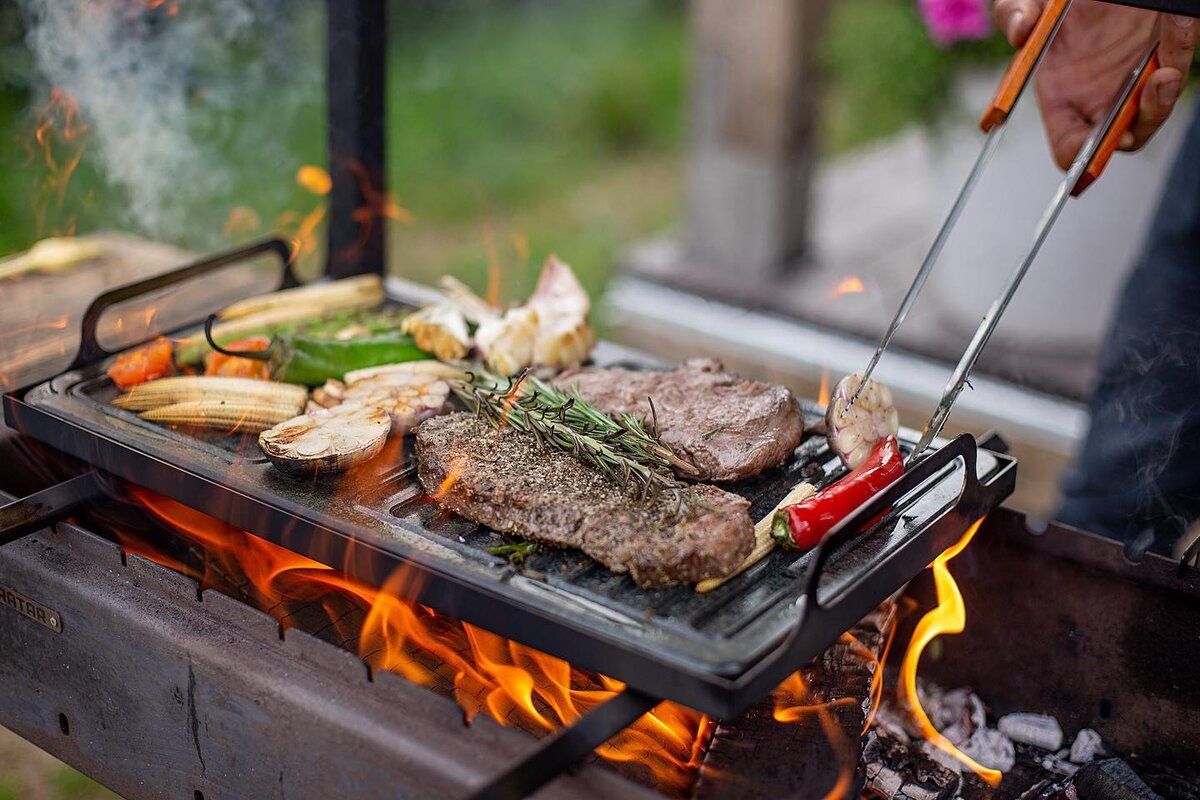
(950, 21)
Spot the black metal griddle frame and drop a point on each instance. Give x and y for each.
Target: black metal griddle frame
(567, 746)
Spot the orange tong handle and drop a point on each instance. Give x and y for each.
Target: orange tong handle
(1021, 66)
(1122, 123)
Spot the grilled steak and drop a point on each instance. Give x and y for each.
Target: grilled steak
(504, 479)
(728, 427)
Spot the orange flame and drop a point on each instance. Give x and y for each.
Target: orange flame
(793, 701)
(304, 240)
(241, 220)
(823, 392)
(448, 482)
(314, 179)
(850, 285)
(950, 616)
(492, 295)
(376, 205)
(513, 684)
(58, 136)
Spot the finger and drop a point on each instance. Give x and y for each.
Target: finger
(1067, 130)
(1177, 42)
(1016, 18)
(1157, 103)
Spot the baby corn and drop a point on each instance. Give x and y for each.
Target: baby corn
(222, 415)
(349, 294)
(764, 543)
(197, 388)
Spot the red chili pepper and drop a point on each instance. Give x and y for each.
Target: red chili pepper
(806, 523)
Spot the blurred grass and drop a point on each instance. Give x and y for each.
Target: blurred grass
(524, 119)
(32, 774)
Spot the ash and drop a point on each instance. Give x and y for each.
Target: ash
(1037, 759)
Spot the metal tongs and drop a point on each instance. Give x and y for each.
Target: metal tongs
(1088, 165)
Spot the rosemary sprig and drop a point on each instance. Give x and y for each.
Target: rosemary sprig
(628, 430)
(515, 552)
(622, 449)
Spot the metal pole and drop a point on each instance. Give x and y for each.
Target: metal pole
(356, 45)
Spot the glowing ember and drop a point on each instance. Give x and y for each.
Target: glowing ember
(513, 684)
(314, 179)
(850, 285)
(950, 616)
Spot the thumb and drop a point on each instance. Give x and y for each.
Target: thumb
(1016, 18)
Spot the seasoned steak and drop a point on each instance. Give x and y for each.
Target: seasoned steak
(728, 427)
(504, 479)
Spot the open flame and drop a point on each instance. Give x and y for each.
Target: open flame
(377, 205)
(794, 701)
(304, 241)
(950, 616)
(487, 674)
(58, 140)
(823, 392)
(849, 285)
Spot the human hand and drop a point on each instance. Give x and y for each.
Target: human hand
(1090, 59)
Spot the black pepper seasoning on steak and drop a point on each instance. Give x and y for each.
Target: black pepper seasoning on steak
(504, 479)
(728, 427)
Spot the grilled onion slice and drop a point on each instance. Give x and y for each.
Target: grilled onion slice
(327, 440)
(407, 399)
(853, 432)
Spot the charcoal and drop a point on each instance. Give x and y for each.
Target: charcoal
(1173, 781)
(758, 756)
(1086, 747)
(1048, 789)
(1112, 779)
(899, 769)
(1058, 763)
(1038, 730)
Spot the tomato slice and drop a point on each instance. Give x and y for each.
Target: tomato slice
(155, 360)
(234, 367)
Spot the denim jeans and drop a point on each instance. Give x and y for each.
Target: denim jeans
(1137, 475)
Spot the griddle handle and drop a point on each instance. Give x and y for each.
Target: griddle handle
(90, 350)
(963, 446)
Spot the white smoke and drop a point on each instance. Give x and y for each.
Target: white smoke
(182, 99)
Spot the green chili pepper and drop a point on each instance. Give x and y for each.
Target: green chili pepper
(311, 360)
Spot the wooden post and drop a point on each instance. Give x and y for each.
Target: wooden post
(753, 111)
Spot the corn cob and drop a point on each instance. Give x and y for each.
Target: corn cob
(196, 388)
(51, 255)
(764, 543)
(222, 415)
(349, 294)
